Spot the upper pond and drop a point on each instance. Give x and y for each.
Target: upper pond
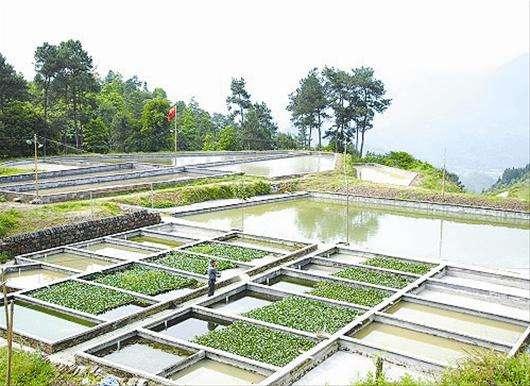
(284, 166)
(399, 232)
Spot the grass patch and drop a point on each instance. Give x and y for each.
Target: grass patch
(387, 279)
(83, 297)
(304, 314)
(258, 343)
(30, 219)
(399, 265)
(228, 251)
(199, 191)
(192, 263)
(488, 369)
(33, 369)
(357, 295)
(11, 171)
(145, 280)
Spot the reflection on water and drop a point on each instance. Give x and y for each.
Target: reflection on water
(411, 233)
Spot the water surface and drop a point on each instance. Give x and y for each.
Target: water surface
(45, 323)
(284, 166)
(76, 261)
(407, 233)
(35, 277)
(459, 322)
(209, 372)
(418, 344)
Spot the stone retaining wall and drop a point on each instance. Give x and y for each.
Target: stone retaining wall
(71, 233)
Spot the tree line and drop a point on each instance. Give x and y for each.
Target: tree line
(71, 108)
(349, 99)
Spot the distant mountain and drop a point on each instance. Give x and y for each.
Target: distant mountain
(481, 120)
(512, 176)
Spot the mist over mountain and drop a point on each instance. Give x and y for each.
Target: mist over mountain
(481, 120)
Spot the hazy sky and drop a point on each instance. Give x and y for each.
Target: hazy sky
(193, 48)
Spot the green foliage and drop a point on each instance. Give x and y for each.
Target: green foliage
(5, 257)
(308, 106)
(185, 195)
(229, 139)
(83, 297)
(154, 133)
(29, 369)
(512, 175)
(145, 280)
(8, 221)
(33, 369)
(288, 142)
(490, 369)
(399, 265)
(387, 279)
(304, 314)
(258, 343)
(10, 171)
(228, 251)
(357, 295)
(192, 263)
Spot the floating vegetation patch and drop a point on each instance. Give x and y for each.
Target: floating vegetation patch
(192, 263)
(399, 265)
(258, 343)
(83, 297)
(358, 295)
(233, 252)
(387, 279)
(305, 314)
(145, 280)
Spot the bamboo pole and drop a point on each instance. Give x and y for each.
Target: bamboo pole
(175, 133)
(8, 309)
(36, 166)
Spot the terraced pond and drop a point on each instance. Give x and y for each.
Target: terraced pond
(457, 239)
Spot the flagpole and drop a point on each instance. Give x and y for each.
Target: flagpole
(175, 119)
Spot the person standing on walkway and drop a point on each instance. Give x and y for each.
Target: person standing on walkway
(213, 274)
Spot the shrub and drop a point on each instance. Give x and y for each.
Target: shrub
(185, 195)
(490, 369)
(83, 297)
(192, 263)
(8, 220)
(357, 295)
(145, 280)
(304, 314)
(374, 277)
(228, 251)
(258, 343)
(399, 265)
(29, 369)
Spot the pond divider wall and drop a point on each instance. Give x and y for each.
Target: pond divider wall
(66, 172)
(71, 233)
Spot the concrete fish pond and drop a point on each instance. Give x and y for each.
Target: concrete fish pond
(284, 311)
(398, 228)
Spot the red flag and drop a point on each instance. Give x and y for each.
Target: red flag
(171, 113)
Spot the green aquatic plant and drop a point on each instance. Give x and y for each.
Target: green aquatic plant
(399, 265)
(83, 297)
(228, 251)
(357, 295)
(192, 263)
(258, 343)
(304, 314)
(383, 278)
(145, 280)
